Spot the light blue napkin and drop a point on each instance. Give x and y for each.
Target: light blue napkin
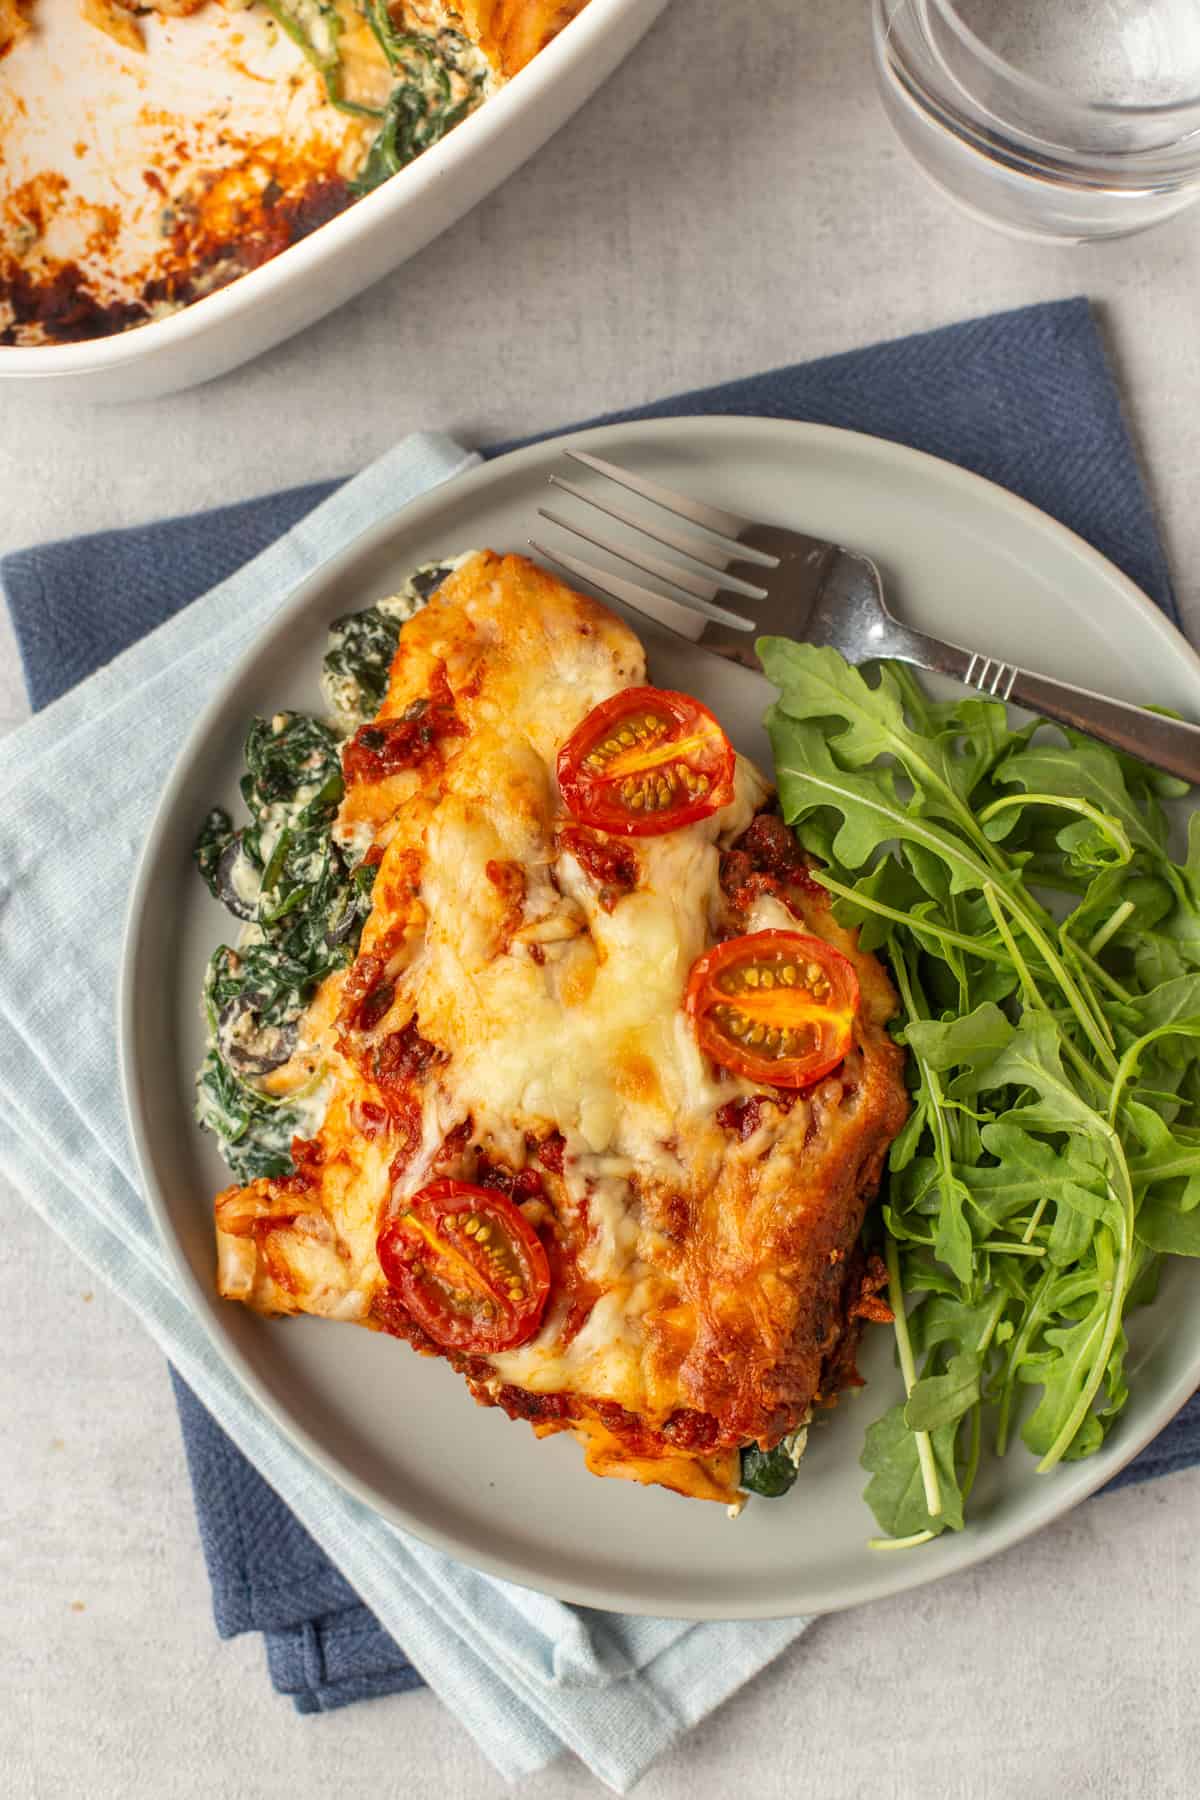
(527, 1675)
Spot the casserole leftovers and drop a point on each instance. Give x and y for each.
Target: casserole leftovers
(212, 134)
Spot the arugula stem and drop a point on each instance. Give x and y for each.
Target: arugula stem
(1036, 1219)
(1110, 827)
(1110, 927)
(1085, 1013)
(1016, 1354)
(974, 1445)
(1096, 969)
(1029, 987)
(937, 1106)
(989, 1329)
(960, 940)
(1127, 1067)
(904, 1543)
(975, 1441)
(1023, 910)
(1165, 1171)
(1033, 996)
(989, 1244)
(908, 1369)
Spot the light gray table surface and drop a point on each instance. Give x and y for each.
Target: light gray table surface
(731, 200)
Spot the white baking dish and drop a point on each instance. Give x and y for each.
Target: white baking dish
(372, 237)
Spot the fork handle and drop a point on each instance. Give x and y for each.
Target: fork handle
(1169, 744)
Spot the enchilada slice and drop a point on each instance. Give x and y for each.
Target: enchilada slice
(599, 1108)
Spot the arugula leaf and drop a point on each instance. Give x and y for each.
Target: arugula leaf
(1046, 953)
(872, 811)
(1030, 1173)
(1176, 999)
(1081, 769)
(874, 725)
(896, 1490)
(1063, 1378)
(1164, 1224)
(976, 1039)
(1191, 865)
(942, 1399)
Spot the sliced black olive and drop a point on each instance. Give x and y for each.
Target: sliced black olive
(250, 1048)
(427, 581)
(225, 886)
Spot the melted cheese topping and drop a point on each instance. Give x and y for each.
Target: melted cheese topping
(588, 1038)
(509, 32)
(587, 1042)
(552, 1007)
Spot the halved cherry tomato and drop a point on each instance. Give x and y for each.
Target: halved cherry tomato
(468, 1267)
(774, 1006)
(644, 762)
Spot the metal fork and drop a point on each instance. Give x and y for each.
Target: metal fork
(784, 583)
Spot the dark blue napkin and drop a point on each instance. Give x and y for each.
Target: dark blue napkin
(1025, 398)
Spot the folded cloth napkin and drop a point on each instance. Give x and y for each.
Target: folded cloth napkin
(1023, 397)
(528, 1675)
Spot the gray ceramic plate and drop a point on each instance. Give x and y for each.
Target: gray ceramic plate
(962, 558)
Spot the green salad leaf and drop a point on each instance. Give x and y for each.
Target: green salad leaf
(1045, 948)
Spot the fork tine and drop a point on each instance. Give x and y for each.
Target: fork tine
(698, 591)
(661, 611)
(712, 518)
(701, 550)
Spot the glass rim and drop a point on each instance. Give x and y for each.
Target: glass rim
(999, 65)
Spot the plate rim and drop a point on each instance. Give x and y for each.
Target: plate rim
(895, 1574)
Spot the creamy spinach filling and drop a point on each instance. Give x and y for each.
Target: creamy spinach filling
(300, 898)
(437, 78)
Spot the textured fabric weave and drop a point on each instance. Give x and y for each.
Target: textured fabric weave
(527, 1675)
(1024, 398)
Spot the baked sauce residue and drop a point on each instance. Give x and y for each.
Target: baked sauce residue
(227, 221)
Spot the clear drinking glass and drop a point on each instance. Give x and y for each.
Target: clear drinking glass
(1060, 119)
